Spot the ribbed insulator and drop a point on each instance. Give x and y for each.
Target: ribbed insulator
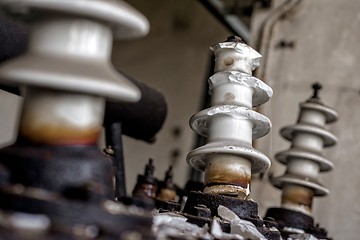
(304, 160)
(230, 124)
(67, 69)
(71, 43)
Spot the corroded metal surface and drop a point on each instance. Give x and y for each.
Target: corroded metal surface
(242, 208)
(57, 168)
(285, 217)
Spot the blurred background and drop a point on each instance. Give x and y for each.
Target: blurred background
(301, 42)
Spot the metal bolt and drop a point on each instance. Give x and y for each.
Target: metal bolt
(149, 168)
(270, 222)
(109, 150)
(234, 39)
(316, 86)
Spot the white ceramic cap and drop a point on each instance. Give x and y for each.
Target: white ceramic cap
(200, 121)
(52, 73)
(235, 56)
(319, 190)
(330, 114)
(285, 156)
(259, 161)
(71, 52)
(125, 20)
(289, 131)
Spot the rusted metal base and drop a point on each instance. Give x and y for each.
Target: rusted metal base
(289, 218)
(201, 221)
(170, 206)
(58, 168)
(201, 207)
(65, 214)
(294, 219)
(70, 185)
(242, 208)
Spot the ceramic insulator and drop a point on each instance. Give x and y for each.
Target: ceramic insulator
(230, 124)
(67, 69)
(304, 159)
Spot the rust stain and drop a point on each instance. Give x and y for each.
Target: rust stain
(228, 61)
(229, 97)
(299, 196)
(227, 177)
(54, 135)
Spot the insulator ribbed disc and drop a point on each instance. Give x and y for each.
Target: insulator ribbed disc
(279, 182)
(330, 114)
(262, 92)
(259, 161)
(200, 121)
(285, 156)
(127, 22)
(55, 73)
(289, 132)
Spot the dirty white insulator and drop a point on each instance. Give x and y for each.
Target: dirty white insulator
(70, 48)
(67, 69)
(230, 124)
(304, 159)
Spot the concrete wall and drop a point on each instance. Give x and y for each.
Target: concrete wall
(326, 49)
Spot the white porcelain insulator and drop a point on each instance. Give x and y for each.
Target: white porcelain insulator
(125, 21)
(72, 38)
(312, 117)
(54, 117)
(232, 93)
(309, 141)
(303, 167)
(235, 87)
(230, 124)
(304, 159)
(227, 127)
(235, 56)
(66, 70)
(70, 46)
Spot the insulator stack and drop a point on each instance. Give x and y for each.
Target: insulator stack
(67, 76)
(304, 160)
(230, 124)
(67, 69)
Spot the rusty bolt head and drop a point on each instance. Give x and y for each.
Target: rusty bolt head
(109, 150)
(202, 211)
(234, 39)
